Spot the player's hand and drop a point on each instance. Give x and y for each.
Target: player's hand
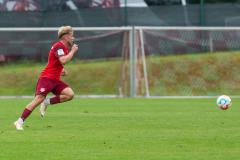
(64, 72)
(74, 48)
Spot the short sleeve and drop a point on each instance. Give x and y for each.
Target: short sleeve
(59, 52)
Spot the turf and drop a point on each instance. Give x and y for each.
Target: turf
(193, 74)
(123, 129)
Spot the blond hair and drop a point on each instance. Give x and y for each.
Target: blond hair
(64, 30)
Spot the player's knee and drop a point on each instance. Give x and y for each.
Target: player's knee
(70, 96)
(39, 98)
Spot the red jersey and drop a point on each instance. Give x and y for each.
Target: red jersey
(54, 67)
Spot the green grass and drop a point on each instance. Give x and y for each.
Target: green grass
(194, 74)
(122, 129)
(96, 77)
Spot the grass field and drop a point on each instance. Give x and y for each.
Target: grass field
(194, 74)
(123, 129)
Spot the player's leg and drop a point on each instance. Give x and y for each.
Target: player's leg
(63, 93)
(67, 94)
(43, 87)
(28, 110)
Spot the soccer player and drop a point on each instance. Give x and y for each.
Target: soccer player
(49, 80)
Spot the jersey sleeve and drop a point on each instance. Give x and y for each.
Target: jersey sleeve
(59, 52)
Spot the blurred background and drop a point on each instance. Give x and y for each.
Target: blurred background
(86, 13)
(127, 47)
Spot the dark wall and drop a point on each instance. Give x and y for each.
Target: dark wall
(225, 14)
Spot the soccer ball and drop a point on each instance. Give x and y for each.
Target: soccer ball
(224, 102)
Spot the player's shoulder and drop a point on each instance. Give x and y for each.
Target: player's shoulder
(58, 49)
(58, 45)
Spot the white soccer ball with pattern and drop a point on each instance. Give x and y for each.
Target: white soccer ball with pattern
(224, 102)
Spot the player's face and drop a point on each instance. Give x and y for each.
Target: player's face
(70, 38)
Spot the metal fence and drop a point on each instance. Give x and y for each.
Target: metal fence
(150, 61)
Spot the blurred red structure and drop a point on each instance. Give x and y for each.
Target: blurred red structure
(19, 5)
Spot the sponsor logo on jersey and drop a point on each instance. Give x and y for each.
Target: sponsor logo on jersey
(60, 52)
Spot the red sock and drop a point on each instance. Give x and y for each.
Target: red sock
(26, 113)
(55, 100)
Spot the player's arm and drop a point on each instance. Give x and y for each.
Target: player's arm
(66, 58)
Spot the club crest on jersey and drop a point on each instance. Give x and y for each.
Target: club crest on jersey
(42, 89)
(60, 52)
